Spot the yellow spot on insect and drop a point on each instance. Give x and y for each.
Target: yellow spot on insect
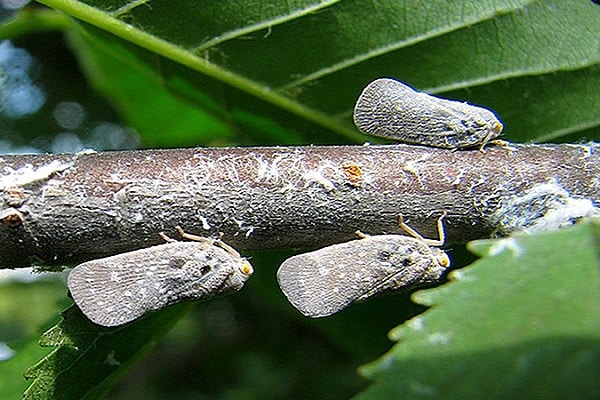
(246, 269)
(497, 127)
(444, 260)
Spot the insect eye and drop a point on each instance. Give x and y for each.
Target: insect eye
(246, 269)
(497, 127)
(444, 260)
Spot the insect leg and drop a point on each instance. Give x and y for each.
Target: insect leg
(195, 238)
(417, 235)
(166, 238)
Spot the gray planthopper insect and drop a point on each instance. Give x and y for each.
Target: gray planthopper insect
(325, 281)
(391, 109)
(119, 289)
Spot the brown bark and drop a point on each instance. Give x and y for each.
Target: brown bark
(66, 208)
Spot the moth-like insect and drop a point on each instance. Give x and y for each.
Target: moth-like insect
(325, 281)
(392, 109)
(116, 290)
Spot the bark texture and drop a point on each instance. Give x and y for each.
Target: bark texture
(68, 208)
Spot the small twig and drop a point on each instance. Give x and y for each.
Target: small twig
(66, 208)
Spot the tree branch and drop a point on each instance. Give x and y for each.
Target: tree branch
(66, 208)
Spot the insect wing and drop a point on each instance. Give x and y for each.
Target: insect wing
(317, 283)
(325, 281)
(391, 109)
(115, 290)
(466, 125)
(387, 108)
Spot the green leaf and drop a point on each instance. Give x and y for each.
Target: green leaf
(88, 360)
(532, 61)
(24, 307)
(13, 384)
(522, 322)
(30, 21)
(128, 78)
